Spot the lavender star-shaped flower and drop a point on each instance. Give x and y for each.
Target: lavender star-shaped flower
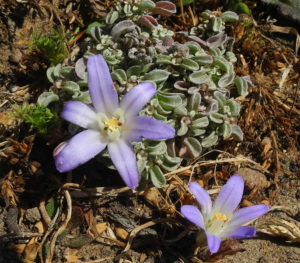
(109, 124)
(220, 220)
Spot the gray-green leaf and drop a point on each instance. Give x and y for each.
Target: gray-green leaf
(157, 177)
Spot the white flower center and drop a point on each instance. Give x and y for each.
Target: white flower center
(113, 126)
(216, 223)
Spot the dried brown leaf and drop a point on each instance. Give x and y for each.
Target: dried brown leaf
(7, 193)
(70, 255)
(30, 252)
(121, 233)
(282, 228)
(101, 227)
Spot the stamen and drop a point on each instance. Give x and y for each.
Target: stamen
(112, 124)
(220, 216)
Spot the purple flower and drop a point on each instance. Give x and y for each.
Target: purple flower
(222, 220)
(109, 123)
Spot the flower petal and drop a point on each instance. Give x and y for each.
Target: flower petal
(243, 232)
(124, 159)
(78, 150)
(149, 128)
(202, 198)
(137, 98)
(230, 195)
(79, 114)
(193, 214)
(213, 243)
(103, 94)
(246, 214)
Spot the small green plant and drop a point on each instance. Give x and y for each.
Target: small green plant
(38, 117)
(51, 45)
(238, 6)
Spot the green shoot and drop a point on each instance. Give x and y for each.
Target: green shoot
(38, 117)
(52, 45)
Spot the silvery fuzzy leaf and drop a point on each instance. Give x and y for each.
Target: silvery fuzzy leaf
(120, 76)
(46, 98)
(226, 80)
(225, 130)
(193, 89)
(80, 68)
(168, 41)
(157, 177)
(135, 70)
(213, 106)
(242, 86)
(169, 163)
(193, 147)
(147, 67)
(122, 28)
(156, 147)
(217, 40)
(113, 56)
(146, 5)
(157, 75)
(67, 72)
(70, 86)
(158, 116)
(229, 16)
(193, 47)
(216, 52)
(164, 59)
(216, 117)
(196, 132)
(50, 74)
(201, 122)
(234, 107)
(204, 59)
(198, 77)
(128, 9)
(207, 14)
(189, 64)
(220, 97)
(83, 83)
(96, 33)
(248, 80)
(181, 110)
(83, 97)
(169, 101)
(161, 110)
(164, 8)
(211, 85)
(222, 63)
(217, 24)
(148, 21)
(237, 133)
(56, 71)
(181, 85)
(210, 140)
(111, 17)
(231, 57)
(183, 128)
(194, 101)
(141, 163)
(197, 40)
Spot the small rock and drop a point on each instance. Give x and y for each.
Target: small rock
(33, 215)
(253, 178)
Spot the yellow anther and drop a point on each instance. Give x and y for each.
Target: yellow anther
(112, 124)
(220, 216)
